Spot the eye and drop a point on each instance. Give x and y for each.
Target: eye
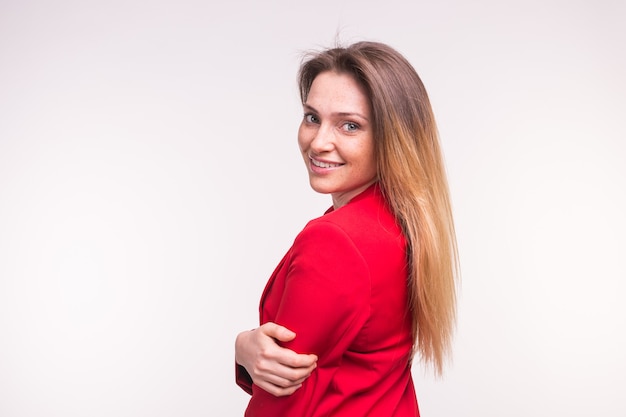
(311, 118)
(350, 127)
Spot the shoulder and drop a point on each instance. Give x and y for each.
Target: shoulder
(366, 220)
(323, 238)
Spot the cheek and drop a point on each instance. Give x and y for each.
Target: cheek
(368, 158)
(301, 138)
(372, 166)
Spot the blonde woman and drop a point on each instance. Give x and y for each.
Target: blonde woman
(371, 283)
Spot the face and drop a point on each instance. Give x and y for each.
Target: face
(336, 137)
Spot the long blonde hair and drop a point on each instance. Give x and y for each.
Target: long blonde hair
(413, 179)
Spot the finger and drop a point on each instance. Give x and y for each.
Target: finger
(300, 381)
(278, 373)
(294, 375)
(278, 391)
(278, 332)
(295, 360)
(283, 380)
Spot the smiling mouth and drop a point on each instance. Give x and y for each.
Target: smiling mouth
(324, 164)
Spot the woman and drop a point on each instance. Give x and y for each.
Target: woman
(371, 282)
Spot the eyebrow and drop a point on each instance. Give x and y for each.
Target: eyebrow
(342, 114)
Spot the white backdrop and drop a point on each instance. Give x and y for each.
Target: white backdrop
(150, 181)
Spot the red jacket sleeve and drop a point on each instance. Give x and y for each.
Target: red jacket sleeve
(243, 378)
(325, 301)
(326, 292)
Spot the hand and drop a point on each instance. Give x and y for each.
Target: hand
(275, 369)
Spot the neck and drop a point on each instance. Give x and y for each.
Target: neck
(342, 198)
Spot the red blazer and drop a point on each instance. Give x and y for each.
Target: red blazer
(342, 287)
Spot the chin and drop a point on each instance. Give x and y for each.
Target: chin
(320, 188)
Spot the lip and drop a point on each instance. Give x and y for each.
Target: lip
(321, 166)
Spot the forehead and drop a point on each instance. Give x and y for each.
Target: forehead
(332, 90)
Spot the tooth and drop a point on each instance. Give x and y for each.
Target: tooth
(324, 164)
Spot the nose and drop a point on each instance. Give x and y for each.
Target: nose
(323, 139)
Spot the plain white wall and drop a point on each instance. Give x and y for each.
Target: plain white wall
(150, 181)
